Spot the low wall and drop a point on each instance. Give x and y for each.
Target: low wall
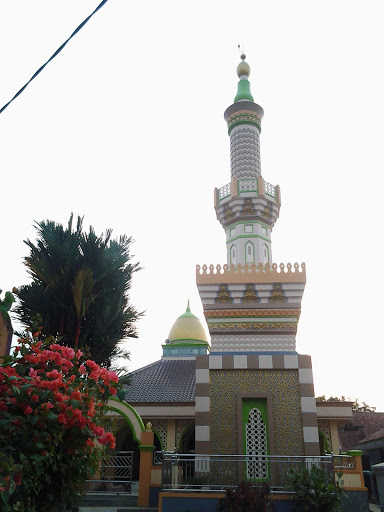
(354, 501)
(191, 502)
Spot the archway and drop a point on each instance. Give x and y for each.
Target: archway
(128, 438)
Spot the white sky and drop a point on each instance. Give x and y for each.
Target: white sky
(126, 127)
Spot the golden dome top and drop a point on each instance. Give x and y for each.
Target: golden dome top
(243, 69)
(187, 328)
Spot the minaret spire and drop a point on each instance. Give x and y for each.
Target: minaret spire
(243, 87)
(247, 207)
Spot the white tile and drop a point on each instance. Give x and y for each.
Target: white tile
(202, 433)
(202, 376)
(265, 362)
(291, 362)
(215, 362)
(305, 376)
(311, 434)
(308, 404)
(240, 361)
(202, 404)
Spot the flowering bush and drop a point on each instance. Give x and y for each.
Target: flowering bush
(52, 414)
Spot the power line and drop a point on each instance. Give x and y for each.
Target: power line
(55, 54)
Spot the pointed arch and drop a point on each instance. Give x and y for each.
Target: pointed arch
(266, 254)
(249, 252)
(233, 254)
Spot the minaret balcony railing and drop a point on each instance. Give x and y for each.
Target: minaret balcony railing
(251, 186)
(247, 185)
(224, 191)
(270, 189)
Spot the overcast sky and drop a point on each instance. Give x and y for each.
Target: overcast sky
(126, 127)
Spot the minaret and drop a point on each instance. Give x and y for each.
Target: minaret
(247, 207)
(252, 307)
(250, 303)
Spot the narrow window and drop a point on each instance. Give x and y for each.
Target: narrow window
(255, 441)
(233, 255)
(249, 253)
(265, 254)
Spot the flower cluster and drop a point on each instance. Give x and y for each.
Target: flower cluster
(52, 419)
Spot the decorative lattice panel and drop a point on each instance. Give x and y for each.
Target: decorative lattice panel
(256, 444)
(325, 428)
(286, 408)
(160, 427)
(181, 425)
(121, 436)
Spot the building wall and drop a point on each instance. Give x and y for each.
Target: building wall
(284, 390)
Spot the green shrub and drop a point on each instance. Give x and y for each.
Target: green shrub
(320, 492)
(246, 498)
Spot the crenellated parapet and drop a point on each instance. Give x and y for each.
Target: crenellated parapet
(251, 273)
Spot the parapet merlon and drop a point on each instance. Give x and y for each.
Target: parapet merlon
(251, 273)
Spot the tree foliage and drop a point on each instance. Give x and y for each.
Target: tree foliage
(356, 406)
(80, 284)
(52, 418)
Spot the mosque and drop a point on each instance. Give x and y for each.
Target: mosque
(248, 387)
(244, 389)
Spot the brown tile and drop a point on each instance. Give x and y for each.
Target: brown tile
(307, 390)
(202, 389)
(310, 419)
(253, 362)
(305, 362)
(203, 419)
(202, 447)
(202, 362)
(311, 449)
(228, 362)
(278, 362)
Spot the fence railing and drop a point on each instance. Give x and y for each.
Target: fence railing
(344, 462)
(114, 474)
(157, 458)
(218, 472)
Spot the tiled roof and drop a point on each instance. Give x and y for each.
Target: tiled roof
(363, 425)
(163, 381)
(373, 437)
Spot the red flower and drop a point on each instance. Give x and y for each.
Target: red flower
(17, 478)
(28, 410)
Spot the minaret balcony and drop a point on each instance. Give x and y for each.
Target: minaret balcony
(247, 199)
(251, 187)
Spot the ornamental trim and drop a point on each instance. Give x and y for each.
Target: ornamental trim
(252, 312)
(252, 325)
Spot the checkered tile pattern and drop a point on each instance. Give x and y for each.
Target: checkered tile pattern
(291, 362)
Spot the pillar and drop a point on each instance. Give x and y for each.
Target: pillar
(146, 453)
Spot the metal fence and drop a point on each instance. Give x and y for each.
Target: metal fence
(218, 472)
(114, 474)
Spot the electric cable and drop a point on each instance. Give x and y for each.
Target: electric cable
(55, 54)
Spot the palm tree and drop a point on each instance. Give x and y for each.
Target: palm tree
(80, 285)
